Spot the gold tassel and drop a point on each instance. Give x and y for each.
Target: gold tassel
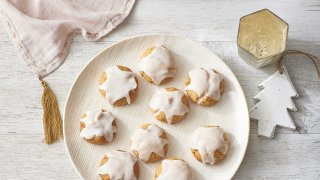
(52, 122)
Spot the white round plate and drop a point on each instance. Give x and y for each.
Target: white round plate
(230, 112)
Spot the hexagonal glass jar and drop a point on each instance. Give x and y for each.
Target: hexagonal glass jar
(261, 38)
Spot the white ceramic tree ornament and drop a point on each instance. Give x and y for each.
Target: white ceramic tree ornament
(274, 100)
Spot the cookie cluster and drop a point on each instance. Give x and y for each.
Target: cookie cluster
(119, 86)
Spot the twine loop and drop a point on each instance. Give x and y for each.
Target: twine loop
(310, 56)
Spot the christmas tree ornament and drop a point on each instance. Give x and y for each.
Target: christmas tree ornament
(262, 37)
(274, 100)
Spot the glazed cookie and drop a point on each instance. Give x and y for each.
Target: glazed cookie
(119, 165)
(118, 85)
(212, 152)
(98, 127)
(173, 168)
(149, 143)
(169, 105)
(204, 86)
(157, 65)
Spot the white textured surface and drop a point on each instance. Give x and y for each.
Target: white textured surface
(290, 155)
(230, 113)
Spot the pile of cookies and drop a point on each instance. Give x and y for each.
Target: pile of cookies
(119, 86)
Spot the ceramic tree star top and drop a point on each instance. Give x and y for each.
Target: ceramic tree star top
(274, 100)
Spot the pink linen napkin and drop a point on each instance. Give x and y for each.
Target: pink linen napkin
(43, 30)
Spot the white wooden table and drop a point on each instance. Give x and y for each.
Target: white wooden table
(291, 155)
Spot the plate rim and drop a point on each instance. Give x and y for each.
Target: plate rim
(141, 36)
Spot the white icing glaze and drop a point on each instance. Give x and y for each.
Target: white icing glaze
(175, 169)
(168, 102)
(118, 84)
(148, 141)
(120, 165)
(206, 83)
(207, 140)
(98, 123)
(158, 65)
